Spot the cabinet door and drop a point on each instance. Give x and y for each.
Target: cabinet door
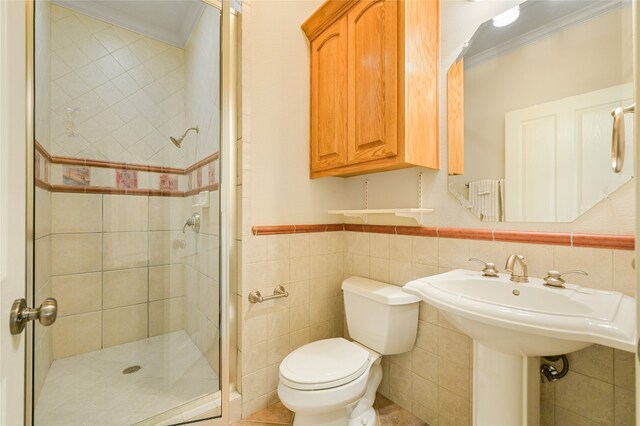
(373, 75)
(329, 98)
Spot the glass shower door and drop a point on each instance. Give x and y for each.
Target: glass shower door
(127, 183)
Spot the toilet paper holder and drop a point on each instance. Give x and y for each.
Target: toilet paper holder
(278, 292)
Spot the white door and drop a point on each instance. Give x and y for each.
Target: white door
(13, 238)
(543, 182)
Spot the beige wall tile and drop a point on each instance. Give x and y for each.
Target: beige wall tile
(208, 255)
(624, 406)
(379, 269)
(425, 399)
(209, 298)
(624, 369)
(598, 263)
(76, 253)
(400, 248)
(254, 249)
(318, 243)
(569, 418)
(489, 251)
(125, 250)
(42, 262)
(623, 272)
(399, 272)
(453, 253)
(299, 268)
(68, 330)
(169, 247)
(277, 247)
(254, 358)
(76, 213)
(166, 316)
(78, 293)
(123, 325)
(425, 364)
(125, 213)
(299, 245)
(595, 361)
(424, 250)
(254, 385)
(454, 377)
(379, 246)
(166, 281)
(453, 409)
(587, 396)
(124, 287)
(42, 221)
(454, 346)
(167, 213)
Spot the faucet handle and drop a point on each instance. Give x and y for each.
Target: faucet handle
(554, 278)
(489, 268)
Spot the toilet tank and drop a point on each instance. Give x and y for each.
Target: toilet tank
(380, 316)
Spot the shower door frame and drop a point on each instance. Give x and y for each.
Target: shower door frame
(227, 212)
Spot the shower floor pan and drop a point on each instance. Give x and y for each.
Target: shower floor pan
(91, 389)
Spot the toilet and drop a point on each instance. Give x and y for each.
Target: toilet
(334, 381)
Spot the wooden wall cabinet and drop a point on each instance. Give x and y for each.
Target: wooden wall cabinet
(374, 86)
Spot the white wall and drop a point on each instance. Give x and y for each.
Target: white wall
(279, 86)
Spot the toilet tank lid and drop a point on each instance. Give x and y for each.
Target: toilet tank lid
(380, 292)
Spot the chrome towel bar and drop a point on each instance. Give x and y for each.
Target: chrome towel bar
(278, 292)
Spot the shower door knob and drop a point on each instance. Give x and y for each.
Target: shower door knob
(20, 314)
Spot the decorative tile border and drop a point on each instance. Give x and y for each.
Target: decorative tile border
(618, 242)
(64, 174)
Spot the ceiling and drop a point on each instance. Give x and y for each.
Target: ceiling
(538, 18)
(170, 21)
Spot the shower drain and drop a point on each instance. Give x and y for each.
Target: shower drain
(131, 369)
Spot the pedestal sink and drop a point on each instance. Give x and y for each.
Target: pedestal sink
(512, 324)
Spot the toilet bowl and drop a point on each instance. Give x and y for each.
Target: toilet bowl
(334, 381)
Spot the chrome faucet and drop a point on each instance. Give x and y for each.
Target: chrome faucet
(510, 267)
(193, 222)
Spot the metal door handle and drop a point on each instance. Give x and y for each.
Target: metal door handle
(20, 314)
(618, 137)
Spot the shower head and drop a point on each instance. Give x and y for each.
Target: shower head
(178, 141)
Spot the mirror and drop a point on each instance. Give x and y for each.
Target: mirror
(529, 104)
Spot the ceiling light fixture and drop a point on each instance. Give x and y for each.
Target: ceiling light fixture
(506, 18)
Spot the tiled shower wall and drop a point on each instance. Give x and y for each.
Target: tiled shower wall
(201, 285)
(42, 286)
(117, 269)
(115, 95)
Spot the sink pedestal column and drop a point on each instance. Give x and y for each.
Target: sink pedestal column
(506, 388)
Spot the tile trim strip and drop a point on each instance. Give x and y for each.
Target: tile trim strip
(124, 166)
(608, 241)
(124, 191)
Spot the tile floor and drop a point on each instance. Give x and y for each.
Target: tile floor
(389, 414)
(90, 389)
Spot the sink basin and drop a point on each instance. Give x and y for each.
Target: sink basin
(530, 319)
(512, 323)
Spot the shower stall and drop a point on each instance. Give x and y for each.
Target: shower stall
(131, 173)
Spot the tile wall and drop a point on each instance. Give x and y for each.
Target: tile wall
(434, 380)
(43, 287)
(117, 266)
(310, 266)
(201, 285)
(115, 94)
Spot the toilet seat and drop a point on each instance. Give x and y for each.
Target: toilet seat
(324, 364)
